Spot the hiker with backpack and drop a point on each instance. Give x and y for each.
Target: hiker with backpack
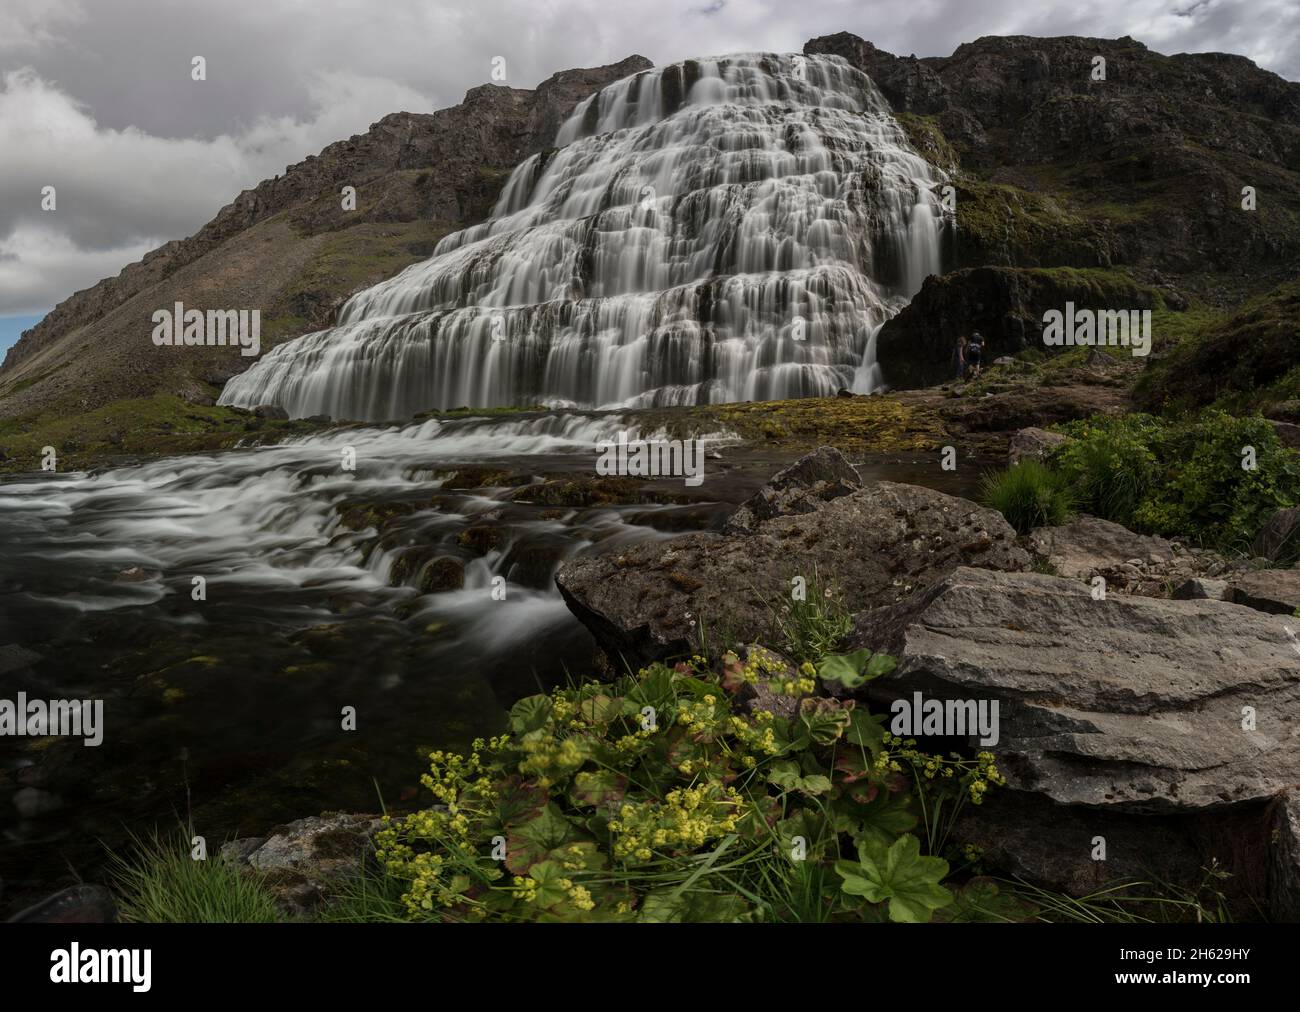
(975, 354)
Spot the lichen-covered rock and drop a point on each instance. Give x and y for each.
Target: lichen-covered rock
(304, 861)
(1130, 563)
(1089, 546)
(878, 545)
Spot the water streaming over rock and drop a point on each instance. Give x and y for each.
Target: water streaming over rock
(715, 230)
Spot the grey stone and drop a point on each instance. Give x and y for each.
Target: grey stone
(1090, 546)
(304, 861)
(803, 487)
(1198, 589)
(1127, 702)
(1033, 444)
(1276, 591)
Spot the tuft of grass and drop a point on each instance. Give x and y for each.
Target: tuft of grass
(1131, 902)
(811, 628)
(158, 882)
(1028, 495)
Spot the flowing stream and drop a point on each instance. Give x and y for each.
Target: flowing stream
(717, 230)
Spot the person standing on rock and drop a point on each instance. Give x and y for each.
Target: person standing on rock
(975, 354)
(959, 358)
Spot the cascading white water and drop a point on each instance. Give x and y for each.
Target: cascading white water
(716, 230)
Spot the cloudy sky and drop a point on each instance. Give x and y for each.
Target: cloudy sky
(96, 96)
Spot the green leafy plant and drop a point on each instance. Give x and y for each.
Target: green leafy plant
(856, 669)
(1182, 478)
(661, 797)
(898, 874)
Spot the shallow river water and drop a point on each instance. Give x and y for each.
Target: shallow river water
(228, 710)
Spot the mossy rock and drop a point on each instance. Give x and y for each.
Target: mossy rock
(481, 538)
(442, 573)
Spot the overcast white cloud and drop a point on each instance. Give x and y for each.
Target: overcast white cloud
(96, 97)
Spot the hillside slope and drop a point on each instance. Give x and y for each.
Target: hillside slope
(287, 248)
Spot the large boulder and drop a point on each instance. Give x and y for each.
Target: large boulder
(1163, 727)
(1129, 702)
(803, 487)
(877, 545)
(1276, 591)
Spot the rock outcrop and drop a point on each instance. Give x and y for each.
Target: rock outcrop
(1021, 124)
(1163, 729)
(875, 545)
(1129, 702)
(303, 862)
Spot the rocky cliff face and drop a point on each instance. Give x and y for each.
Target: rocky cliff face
(1139, 175)
(288, 248)
(1135, 182)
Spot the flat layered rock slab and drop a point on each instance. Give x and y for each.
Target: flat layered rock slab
(1091, 545)
(1128, 701)
(1272, 590)
(878, 545)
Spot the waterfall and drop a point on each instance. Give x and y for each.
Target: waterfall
(716, 230)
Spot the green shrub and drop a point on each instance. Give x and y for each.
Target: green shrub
(1109, 465)
(1029, 495)
(1183, 478)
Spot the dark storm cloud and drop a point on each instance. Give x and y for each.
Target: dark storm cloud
(96, 98)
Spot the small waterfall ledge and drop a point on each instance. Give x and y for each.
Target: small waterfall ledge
(716, 230)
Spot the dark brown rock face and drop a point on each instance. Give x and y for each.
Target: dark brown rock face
(418, 176)
(1006, 305)
(1139, 174)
